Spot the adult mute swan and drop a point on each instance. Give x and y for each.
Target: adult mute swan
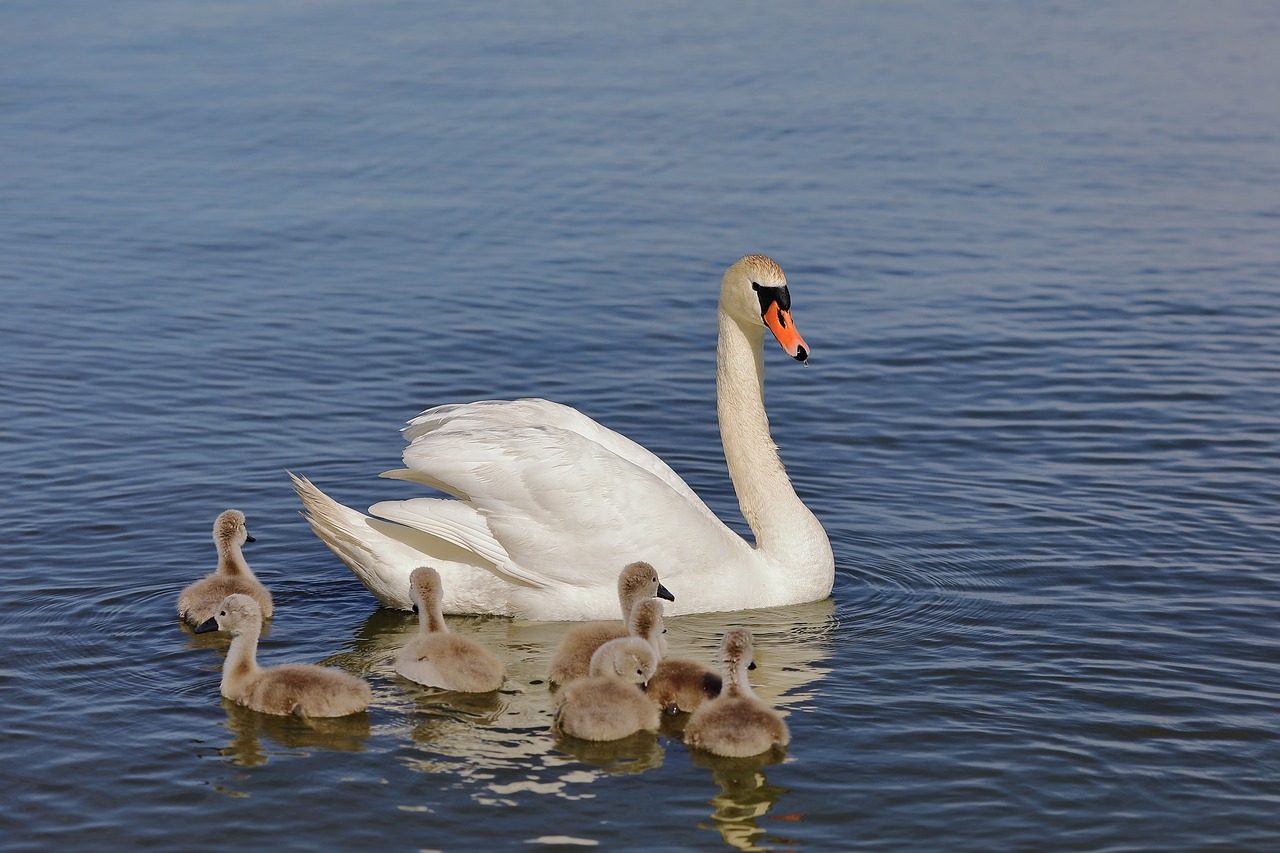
(549, 505)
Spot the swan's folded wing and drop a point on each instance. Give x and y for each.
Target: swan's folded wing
(535, 412)
(563, 508)
(450, 520)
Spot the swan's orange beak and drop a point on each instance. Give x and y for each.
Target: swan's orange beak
(778, 319)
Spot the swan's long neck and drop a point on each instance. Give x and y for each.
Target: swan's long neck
(784, 528)
(231, 560)
(242, 659)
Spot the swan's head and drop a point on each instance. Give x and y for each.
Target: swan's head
(236, 614)
(754, 291)
(425, 587)
(628, 658)
(640, 580)
(229, 529)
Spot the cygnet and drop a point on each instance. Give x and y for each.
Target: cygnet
(736, 723)
(609, 703)
(636, 582)
(299, 688)
(437, 658)
(202, 599)
(681, 686)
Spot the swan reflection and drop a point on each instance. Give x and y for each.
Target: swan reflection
(249, 728)
(744, 798)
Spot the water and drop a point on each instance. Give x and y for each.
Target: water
(1034, 250)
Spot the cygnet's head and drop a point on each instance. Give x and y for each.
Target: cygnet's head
(629, 658)
(737, 649)
(237, 613)
(639, 580)
(229, 528)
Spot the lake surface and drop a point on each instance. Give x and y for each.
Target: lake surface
(1034, 249)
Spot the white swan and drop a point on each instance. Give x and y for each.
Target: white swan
(549, 503)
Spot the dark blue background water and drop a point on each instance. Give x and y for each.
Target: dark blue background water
(1034, 250)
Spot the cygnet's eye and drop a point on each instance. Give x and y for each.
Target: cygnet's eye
(222, 613)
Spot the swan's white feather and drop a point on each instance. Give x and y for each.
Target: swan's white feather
(530, 485)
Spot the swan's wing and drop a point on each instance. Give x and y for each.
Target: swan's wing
(534, 412)
(558, 506)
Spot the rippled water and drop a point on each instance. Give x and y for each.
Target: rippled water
(1034, 251)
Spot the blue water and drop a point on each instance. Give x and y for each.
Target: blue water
(1034, 249)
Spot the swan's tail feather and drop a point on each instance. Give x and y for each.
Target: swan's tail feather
(352, 536)
(382, 554)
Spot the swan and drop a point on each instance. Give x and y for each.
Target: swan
(736, 723)
(609, 703)
(202, 599)
(301, 689)
(636, 582)
(437, 658)
(546, 500)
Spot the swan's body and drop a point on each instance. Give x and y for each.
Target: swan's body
(680, 686)
(547, 501)
(201, 600)
(609, 703)
(736, 723)
(437, 658)
(636, 582)
(300, 688)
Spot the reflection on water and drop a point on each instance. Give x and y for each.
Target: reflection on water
(249, 728)
(500, 743)
(633, 754)
(745, 796)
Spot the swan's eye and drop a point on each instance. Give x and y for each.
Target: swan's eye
(755, 285)
(223, 613)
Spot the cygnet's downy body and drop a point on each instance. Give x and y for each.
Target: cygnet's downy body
(681, 686)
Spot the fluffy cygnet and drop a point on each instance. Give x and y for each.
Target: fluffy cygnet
(636, 582)
(609, 704)
(438, 658)
(736, 723)
(680, 686)
(201, 600)
(299, 688)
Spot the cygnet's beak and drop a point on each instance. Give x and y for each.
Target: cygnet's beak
(663, 592)
(210, 624)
